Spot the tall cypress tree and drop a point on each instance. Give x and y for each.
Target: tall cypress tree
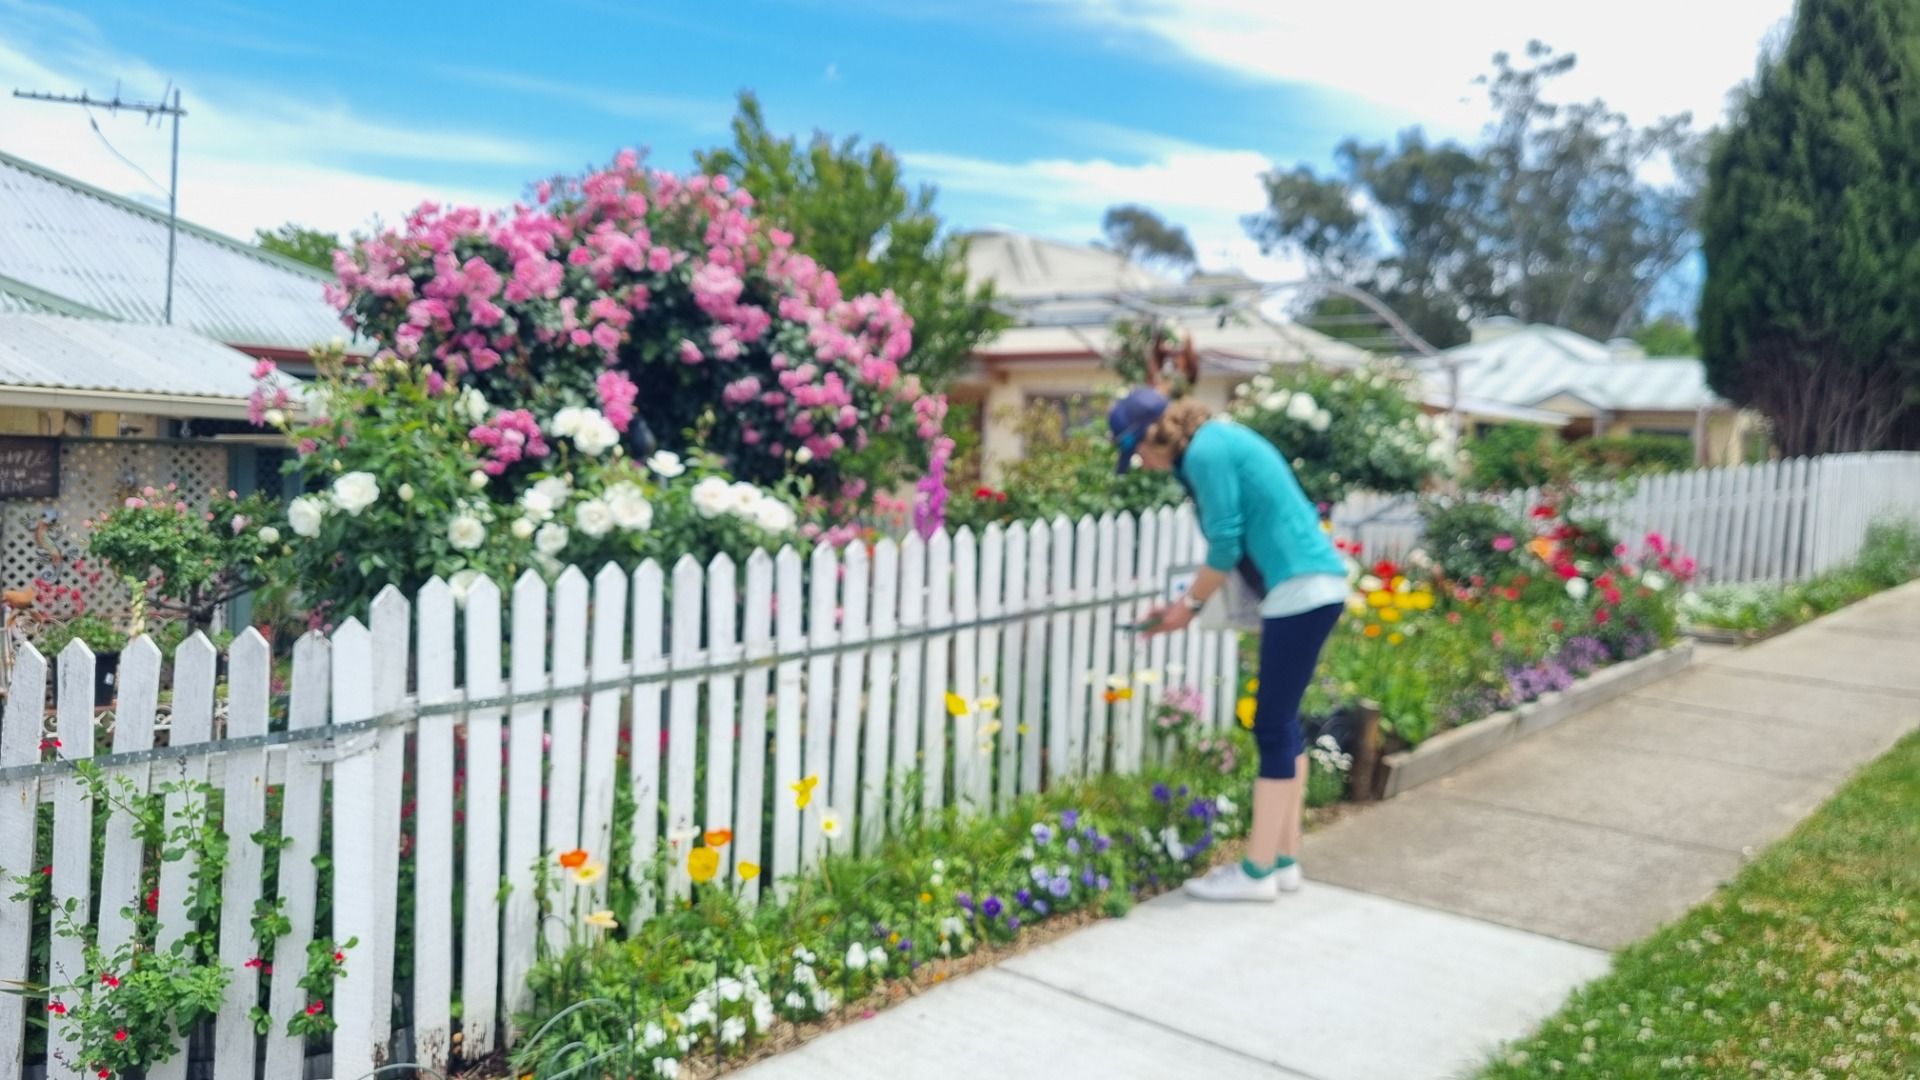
(1811, 307)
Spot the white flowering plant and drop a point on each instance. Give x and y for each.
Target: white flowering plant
(407, 481)
(1346, 429)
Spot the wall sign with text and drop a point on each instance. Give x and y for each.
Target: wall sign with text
(29, 468)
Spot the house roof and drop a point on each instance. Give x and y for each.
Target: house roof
(67, 362)
(68, 246)
(1528, 365)
(1070, 297)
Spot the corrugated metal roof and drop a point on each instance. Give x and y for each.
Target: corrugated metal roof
(1530, 365)
(61, 352)
(109, 254)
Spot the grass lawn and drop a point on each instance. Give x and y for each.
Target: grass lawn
(1808, 965)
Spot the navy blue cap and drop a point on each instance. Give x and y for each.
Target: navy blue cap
(1129, 420)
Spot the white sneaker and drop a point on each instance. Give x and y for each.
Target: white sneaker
(1231, 883)
(1287, 878)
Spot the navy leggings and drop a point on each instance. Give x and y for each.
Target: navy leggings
(1289, 653)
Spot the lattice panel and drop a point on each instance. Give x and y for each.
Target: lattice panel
(42, 538)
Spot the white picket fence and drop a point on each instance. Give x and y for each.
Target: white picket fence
(1778, 521)
(839, 669)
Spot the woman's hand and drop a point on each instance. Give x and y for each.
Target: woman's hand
(1166, 619)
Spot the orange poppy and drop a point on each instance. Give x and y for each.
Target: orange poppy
(719, 837)
(573, 860)
(1373, 630)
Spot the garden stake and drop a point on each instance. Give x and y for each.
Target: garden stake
(1366, 754)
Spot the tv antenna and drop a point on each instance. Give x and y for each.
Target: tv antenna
(153, 110)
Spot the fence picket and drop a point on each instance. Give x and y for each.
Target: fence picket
(603, 721)
(786, 739)
(194, 663)
(754, 701)
(249, 668)
(1192, 667)
(1061, 743)
(564, 737)
(935, 671)
(433, 841)
(982, 753)
(874, 757)
(20, 734)
(1099, 742)
(1126, 615)
(853, 671)
(520, 916)
(966, 668)
(137, 694)
(1012, 684)
(72, 836)
(906, 721)
(822, 591)
(649, 594)
(683, 722)
(1085, 683)
(302, 791)
(1033, 732)
(723, 647)
(1160, 654)
(355, 860)
(480, 887)
(390, 622)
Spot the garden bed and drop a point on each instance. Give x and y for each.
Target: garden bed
(1454, 749)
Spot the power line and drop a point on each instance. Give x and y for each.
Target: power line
(153, 110)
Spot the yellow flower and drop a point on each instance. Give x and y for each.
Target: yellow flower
(803, 790)
(1396, 638)
(602, 920)
(1379, 598)
(1253, 686)
(748, 870)
(830, 824)
(1389, 614)
(1356, 604)
(987, 704)
(926, 898)
(1244, 709)
(588, 874)
(1022, 729)
(893, 938)
(956, 705)
(1423, 600)
(703, 863)
(1404, 601)
(989, 729)
(1401, 584)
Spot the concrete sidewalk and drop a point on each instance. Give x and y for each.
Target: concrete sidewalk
(1446, 921)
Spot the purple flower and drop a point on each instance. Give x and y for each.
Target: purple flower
(1013, 922)
(991, 909)
(1024, 897)
(1039, 874)
(965, 900)
(1086, 877)
(906, 944)
(1069, 818)
(1040, 908)
(1184, 790)
(1101, 844)
(1060, 887)
(1073, 845)
(1042, 835)
(1161, 794)
(1102, 883)
(1201, 808)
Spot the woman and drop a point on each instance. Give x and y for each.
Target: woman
(1258, 523)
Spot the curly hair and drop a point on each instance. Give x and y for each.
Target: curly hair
(1175, 428)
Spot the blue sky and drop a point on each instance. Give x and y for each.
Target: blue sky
(1033, 114)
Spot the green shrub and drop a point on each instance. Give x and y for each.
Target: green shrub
(1890, 556)
(1615, 457)
(1464, 540)
(1067, 470)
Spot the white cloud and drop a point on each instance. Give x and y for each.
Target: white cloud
(1206, 190)
(1648, 58)
(698, 114)
(250, 156)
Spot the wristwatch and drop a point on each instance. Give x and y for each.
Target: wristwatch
(1193, 605)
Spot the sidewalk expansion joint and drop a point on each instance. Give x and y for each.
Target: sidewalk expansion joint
(1903, 693)
(1637, 834)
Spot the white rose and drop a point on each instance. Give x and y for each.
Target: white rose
(593, 517)
(305, 514)
(269, 535)
(631, 510)
(1577, 588)
(1263, 382)
(406, 493)
(355, 492)
(474, 405)
(742, 497)
(774, 516)
(521, 528)
(476, 479)
(536, 503)
(802, 456)
(596, 434)
(711, 497)
(668, 1068)
(1322, 420)
(666, 464)
(1371, 584)
(550, 539)
(856, 957)
(274, 418)
(1302, 407)
(466, 533)
(1652, 580)
(462, 583)
(566, 423)
(1276, 401)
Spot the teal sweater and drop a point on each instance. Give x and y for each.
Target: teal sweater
(1252, 507)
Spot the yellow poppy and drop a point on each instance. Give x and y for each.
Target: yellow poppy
(1253, 686)
(588, 874)
(719, 837)
(987, 704)
(602, 920)
(1244, 709)
(1114, 696)
(1389, 614)
(956, 705)
(748, 870)
(703, 863)
(803, 790)
(1422, 600)
(1396, 638)
(926, 898)
(1379, 598)
(1403, 601)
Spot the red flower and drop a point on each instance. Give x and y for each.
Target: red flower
(120, 1036)
(49, 744)
(153, 900)
(47, 870)
(57, 1008)
(1542, 512)
(1603, 616)
(316, 1008)
(1612, 597)
(109, 980)
(104, 1074)
(1567, 571)
(1386, 570)
(339, 957)
(1603, 582)
(256, 962)
(1558, 626)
